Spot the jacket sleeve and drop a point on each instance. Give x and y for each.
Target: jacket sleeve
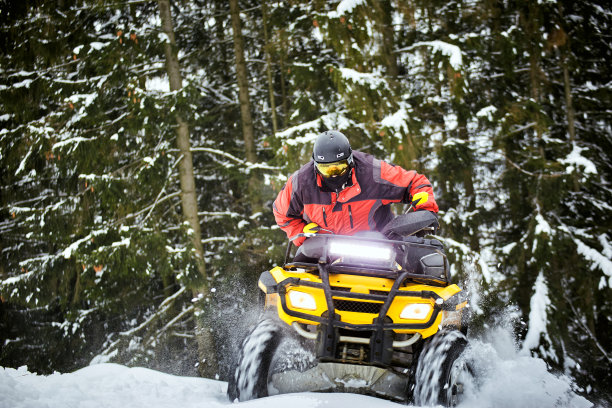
(288, 210)
(413, 182)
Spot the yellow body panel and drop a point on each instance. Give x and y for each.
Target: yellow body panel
(364, 285)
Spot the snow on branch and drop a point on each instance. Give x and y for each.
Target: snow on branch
(16, 279)
(599, 260)
(346, 7)
(451, 51)
(219, 239)
(163, 190)
(310, 130)
(575, 161)
(371, 80)
(248, 166)
(171, 323)
(218, 214)
(538, 318)
(73, 140)
(67, 252)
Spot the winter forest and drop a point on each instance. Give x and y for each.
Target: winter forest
(143, 142)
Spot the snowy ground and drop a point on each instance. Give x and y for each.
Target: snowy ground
(508, 379)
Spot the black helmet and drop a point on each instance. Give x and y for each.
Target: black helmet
(333, 160)
(332, 146)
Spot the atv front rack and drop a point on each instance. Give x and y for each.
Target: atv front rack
(381, 337)
(379, 334)
(333, 318)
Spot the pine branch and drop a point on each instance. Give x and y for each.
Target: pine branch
(168, 325)
(586, 330)
(163, 308)
(136, 214)
(157, 200)
(519, 168)
(248, 165)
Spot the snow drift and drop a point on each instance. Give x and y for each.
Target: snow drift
(507, 378)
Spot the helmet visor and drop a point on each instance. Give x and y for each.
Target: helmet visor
(334, 169)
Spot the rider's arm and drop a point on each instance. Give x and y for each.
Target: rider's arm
(414, 183)
(288, 210)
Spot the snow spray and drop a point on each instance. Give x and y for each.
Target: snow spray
(503, 375)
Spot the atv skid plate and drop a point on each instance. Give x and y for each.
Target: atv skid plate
(341, 377)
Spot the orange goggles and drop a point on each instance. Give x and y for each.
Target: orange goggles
(332, 169)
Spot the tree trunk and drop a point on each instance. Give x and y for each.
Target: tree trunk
(530, 18)
(220, 17)
(563, 52)
(282, 81)
(248, 133)
(243, 84)
(269, 66)
(206, 347)
(385, 20)
(468, 183)
(569, 109)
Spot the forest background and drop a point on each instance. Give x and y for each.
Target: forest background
(142, 143)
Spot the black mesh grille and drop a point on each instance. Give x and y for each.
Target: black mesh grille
(359, 307)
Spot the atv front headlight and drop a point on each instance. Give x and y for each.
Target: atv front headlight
(362, 251)
(301, 300)
(416, 311)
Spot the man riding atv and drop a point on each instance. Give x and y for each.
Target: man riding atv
(367, 307)
(345, 192)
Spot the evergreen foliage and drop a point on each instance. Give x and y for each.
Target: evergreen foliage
(504, 106)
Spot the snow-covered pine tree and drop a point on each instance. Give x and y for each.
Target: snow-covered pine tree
(511, 98)
(550, 170)
(102, 143)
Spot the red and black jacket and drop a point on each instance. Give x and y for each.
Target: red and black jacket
(362, 206)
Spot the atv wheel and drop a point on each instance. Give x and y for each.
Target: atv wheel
(249, 380)
(441, 371)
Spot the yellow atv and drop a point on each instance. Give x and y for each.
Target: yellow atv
(373, 313)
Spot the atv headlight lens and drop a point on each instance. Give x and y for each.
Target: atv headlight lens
(355, 250)
(416, 311)
(301, 300)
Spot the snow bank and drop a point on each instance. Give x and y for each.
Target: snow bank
(506, 379)
(107, 385)
(112, 385)
(509, 381)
